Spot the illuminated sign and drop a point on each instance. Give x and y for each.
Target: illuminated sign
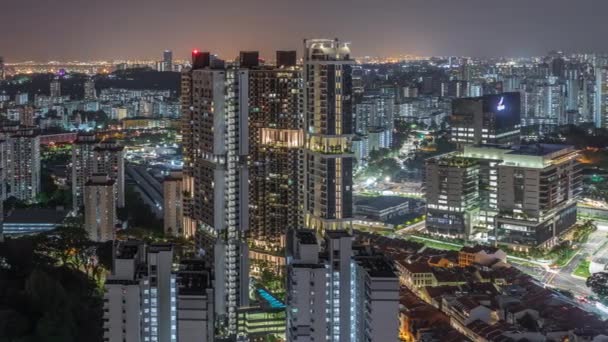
(501, 106)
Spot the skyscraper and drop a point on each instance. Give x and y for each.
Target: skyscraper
(22, 163)
(167, 60)
(55, 88)
(216, 145)
(26, 116)
(286, 58)
(490, 119)
(89, 89)
(328, 125)
(100, 207)
(83, 164)
(109, 159)
(2, 71)
(173, 204)
(600, 116)
(374, 114)
(276, 138)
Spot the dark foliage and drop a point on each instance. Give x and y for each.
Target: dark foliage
(598, 283)
(41, 300)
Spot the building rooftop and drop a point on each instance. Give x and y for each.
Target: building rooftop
(319, 265)
(173, 176)
(127, 249)
(35, 215)
(376, 266)
(380, 202)
(160, 247)
(109, 145)
(417, 267)
(450, 275)
(539, 149)
(121, 282)
(491, 332)
(337, 234)
(306, 237)
(478, 248)
(99, 180)
(193, 277)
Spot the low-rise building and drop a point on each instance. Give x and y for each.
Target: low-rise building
(32, 221)
(479, 254)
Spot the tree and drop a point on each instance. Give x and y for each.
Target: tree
(13, 324)
(51, 299)
(598, 283)
(71, 245)
(42, 299)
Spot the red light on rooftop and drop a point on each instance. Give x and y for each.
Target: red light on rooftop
(195, 51)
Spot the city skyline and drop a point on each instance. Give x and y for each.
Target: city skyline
(471, 28)
(341, 171)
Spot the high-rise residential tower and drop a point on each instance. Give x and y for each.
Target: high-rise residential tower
(83, 164)
(22, 163)
(173, 204)
(195, 312)
(109, 159)
(328, 129)
(276, 138)
(89, 89)
(167, 60)
(100, 207)
(339, 293)
(216, 145)
(600, 117)
(2, 71)
(140, 297)
(55, 88)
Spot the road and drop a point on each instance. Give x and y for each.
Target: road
(562, 278)
(416, 227)
(148, 187)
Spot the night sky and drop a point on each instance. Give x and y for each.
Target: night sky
(93, 29)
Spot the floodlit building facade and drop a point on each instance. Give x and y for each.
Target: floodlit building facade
(328, 130)
(216, 187)
(276, 140)
(523, 196)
